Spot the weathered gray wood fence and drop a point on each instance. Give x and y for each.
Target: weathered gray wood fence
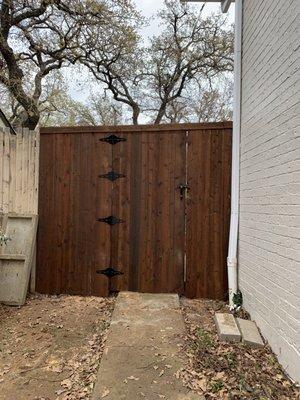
(19, 171)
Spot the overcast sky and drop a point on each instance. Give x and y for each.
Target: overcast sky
(79, 89)
(150, 7)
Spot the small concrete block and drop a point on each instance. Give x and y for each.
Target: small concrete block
(250, 333)
(227, 328)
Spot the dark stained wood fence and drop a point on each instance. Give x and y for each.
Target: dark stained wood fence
(166, 240)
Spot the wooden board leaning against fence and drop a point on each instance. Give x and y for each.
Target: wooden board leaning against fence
(19, 179)
(17, 257)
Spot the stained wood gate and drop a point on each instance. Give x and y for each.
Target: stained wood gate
(142, 208)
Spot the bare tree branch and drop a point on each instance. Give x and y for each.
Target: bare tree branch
(42, 36)
(190, 46)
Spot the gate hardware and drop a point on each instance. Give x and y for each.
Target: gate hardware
(111, 220)
(184, 188)
(112, 176)
(113, 139)
(110, 272)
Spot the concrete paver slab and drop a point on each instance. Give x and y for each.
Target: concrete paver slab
(142, 352)
(250, 333)
(227, 327)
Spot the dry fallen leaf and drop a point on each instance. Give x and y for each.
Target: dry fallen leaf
(133, 378)
(105, 393)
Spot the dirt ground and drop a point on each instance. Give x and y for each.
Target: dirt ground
(51, 347)
(228, 371)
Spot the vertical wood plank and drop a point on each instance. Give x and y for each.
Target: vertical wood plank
(6, 172)
(19, 150)
(1, 169)
(12, 188)
(31, 177)
(36, 162)
(25, 175)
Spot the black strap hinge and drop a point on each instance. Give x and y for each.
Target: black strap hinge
(111, 220)
(109, 272)
(112, 176)
(113, 139)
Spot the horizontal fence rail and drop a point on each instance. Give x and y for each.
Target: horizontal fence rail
(56, 130)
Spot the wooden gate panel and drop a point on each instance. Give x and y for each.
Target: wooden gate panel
(149, 245)
(208, 212)
(71, 245)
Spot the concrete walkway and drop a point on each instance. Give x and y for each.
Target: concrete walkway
(142, 352)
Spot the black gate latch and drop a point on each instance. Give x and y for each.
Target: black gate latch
(184, 188)
(110, 272)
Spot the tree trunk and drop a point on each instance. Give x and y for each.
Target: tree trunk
(135, 114)
(23, 120)
(160, 114)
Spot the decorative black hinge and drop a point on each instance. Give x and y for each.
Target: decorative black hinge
(111, 220)
(113, 139)
(110, 272)
(112, 176)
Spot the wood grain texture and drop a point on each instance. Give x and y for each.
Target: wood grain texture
(19, 172)
(150, 243)
(208, 212)
(146, 246)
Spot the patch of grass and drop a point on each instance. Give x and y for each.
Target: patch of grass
(216, 386)
(193, 346)
(257, 367)
(242, 383)
(104, 325)
(204, 339)
(272, 360)
(230, 359)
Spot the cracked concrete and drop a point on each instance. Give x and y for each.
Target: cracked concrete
(142, 353)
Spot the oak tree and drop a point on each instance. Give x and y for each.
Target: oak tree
(38, 37)
(151, 78)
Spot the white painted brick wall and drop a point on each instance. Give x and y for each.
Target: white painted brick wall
(269, 234)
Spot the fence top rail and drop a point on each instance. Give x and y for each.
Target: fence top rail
(136, 128)
(18, 131)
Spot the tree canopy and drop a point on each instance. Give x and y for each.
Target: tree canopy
(150, 78)
(173, 76)
(38, 37)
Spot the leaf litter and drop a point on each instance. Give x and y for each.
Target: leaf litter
(228, 371)
(52, 346)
